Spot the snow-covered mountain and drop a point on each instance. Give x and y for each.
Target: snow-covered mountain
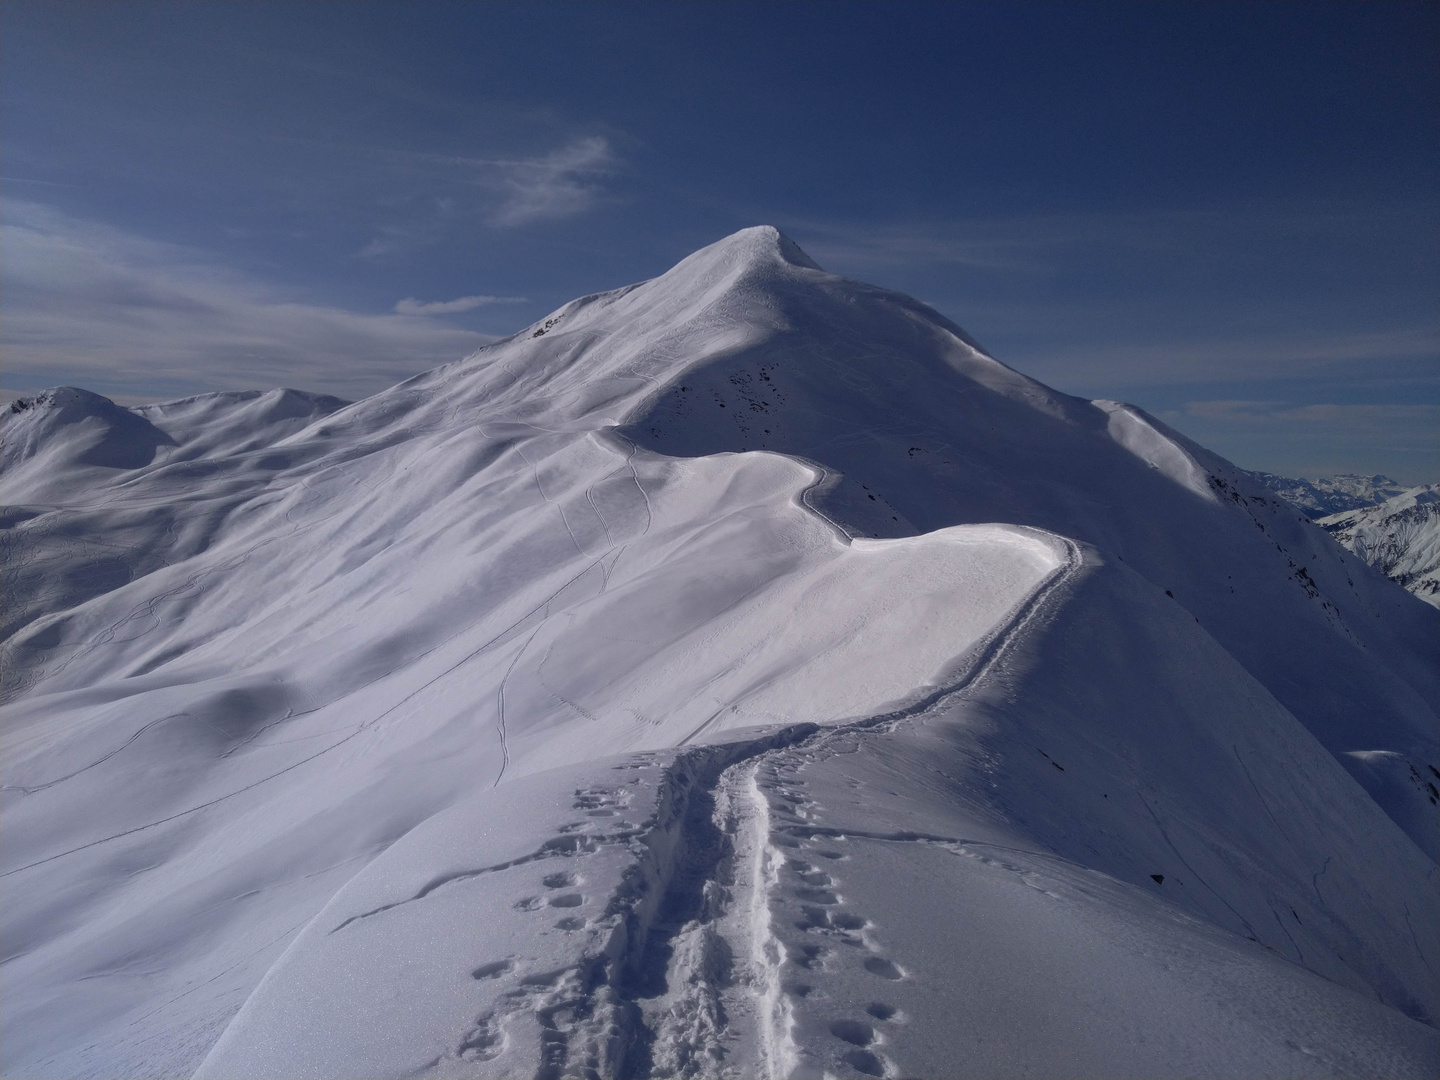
(1400, 537)
(1331, 494)
(739, 673)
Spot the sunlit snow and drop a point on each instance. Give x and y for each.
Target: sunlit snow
(736, 674)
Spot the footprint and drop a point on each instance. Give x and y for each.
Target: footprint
(527, 903)
(880, 1010)
(827, 854)
(817, 879)
(570, 922)
(816, 918)
(595, 799)
(817, 896)
(863, 1061)
(878, 965)
(484, 1041)
(855, 1032)
(812, 956)
(559, 880)
(848, 920)
(492, 971)
(573, 899)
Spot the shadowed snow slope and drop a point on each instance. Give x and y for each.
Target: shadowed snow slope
(739, 673)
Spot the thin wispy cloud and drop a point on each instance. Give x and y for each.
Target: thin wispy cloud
(107, 308)
(449, 190)
(1298, 355)
(1044, 243)
(1318, 438)
(411, 306)
(560, 184)
(390, 239)
(858, 248)
(1333, 415)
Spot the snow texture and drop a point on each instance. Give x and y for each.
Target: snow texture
(735, 674)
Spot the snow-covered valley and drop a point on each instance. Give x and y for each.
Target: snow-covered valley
(735, 674)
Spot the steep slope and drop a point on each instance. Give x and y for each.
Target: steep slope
(404, 656)
(1400, 537)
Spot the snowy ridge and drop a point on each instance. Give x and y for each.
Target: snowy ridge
(1400, 537)
(663, 690)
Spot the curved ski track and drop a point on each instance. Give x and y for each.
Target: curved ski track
(697, 990)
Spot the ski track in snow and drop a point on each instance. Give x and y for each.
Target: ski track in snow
(358, 730)
(777, 1049)
(715, 1009)
(691, 985)
(689, 931)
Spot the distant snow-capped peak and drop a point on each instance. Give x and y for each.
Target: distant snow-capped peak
(1399, 537)
(1331, 494)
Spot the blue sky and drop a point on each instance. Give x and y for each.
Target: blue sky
(1225, 213)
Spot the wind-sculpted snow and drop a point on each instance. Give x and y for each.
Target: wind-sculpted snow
(667, 690)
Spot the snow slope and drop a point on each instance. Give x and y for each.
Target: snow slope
(1400, 537)
(737, 673)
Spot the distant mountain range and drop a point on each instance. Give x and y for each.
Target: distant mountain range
(1400, 536)
(1331, 494)
(1393, 528)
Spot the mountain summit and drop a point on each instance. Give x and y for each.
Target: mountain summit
(740, 673)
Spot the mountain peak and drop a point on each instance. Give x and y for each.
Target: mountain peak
(620, 611)
(757, 245)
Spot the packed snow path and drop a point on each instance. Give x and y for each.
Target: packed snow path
(527, 717)
(738, 915)
(679, 974)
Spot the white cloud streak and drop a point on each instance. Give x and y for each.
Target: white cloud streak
(1230, 359)
(411, 306)
(1319, 438)
(1354, 419)
(560, 184)
(1043, 244)
(85, 302)
(501, 193)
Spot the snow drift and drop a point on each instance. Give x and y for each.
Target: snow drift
(739, 673)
